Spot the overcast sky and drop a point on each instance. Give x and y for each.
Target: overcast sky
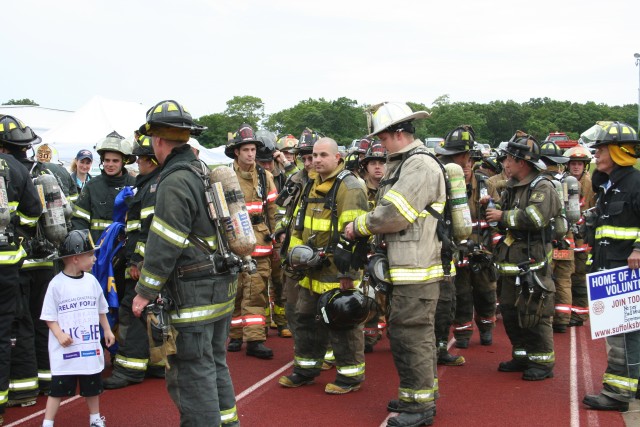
(204, 52)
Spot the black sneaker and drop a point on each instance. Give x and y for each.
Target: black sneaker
(575, 322)
(235, 344)
(259, 350)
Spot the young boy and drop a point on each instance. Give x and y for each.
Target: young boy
(73, 307)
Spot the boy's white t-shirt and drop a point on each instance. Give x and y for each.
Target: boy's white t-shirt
(76, 304)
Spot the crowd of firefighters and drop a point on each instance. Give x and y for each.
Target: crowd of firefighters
(350, 246)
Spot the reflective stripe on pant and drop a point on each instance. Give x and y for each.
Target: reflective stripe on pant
(251, 299)
(8, 295)
(623, 366)
(199, 382)
(412, 337)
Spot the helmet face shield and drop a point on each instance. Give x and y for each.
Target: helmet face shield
(607, 132)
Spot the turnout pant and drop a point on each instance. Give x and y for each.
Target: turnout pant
(312, 339)
(474, 290)
(623, 366)
(9, 292)
(251, 302)
(579, 292)
(199, 382)
(24, 366)
(445, 310)
(562, 270)
(533, 346)
(132, 360)
(411, 333)
(38, 283)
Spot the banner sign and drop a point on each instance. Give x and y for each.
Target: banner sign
(614, 301)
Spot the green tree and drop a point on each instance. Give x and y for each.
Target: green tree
(249, 109)
(240, 109)
(25, 101)
(342, 119)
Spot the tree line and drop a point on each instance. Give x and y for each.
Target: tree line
(344, 120)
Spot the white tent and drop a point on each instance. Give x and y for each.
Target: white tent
(39, 119)
(93, 122)
(214, 156)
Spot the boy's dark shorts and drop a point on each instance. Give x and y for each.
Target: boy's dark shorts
(66, 385)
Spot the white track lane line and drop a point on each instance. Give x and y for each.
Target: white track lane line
(39, 413)
(592, 416)
(573, 380)
(260, 383)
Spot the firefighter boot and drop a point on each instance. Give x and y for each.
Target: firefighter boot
(259, 350)
(604, 403)
(486, 337)
(411, 419)
(235, 344)
(446, 358)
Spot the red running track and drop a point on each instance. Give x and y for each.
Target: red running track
(473, 394)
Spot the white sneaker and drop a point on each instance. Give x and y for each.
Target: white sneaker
(99, 423)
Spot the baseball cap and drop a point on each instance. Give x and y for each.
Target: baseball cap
(84, 154)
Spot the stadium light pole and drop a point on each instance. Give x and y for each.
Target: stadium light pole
(637, 56)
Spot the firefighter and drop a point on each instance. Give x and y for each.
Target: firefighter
(21, 212)
(37, 269)
(353, 159)
(404, 228)
(94, 207)
(330, 201)
(562, 264)
(275, 162)
(249, 316)
(614, 233)
(527, 290)
(199, 381)
(372, 167)
(131, 363)
(289, 200)
(475, 281)
(578, 166)
(287, 145)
